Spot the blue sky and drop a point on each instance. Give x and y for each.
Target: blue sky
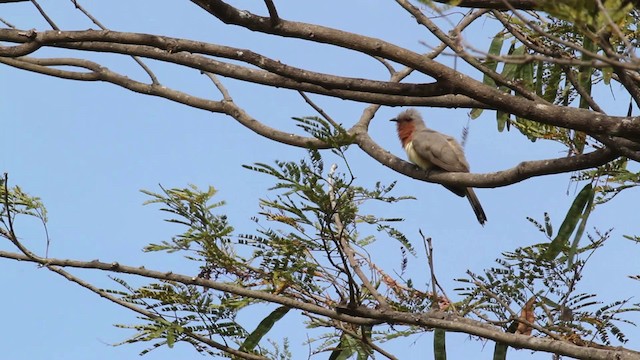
(88, 148)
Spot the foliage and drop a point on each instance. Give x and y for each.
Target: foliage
(561, 310)
(317, 213)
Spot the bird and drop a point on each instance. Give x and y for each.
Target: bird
(432, 150)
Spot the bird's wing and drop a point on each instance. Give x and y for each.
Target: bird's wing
(440, 150)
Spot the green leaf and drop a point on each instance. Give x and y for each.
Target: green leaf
(584, 76)
(502, 118)
(632, 238)
(364, 351)
(510, 70)
(569, 224)
(583, 222)
(345, 349)
(553, 84)
(475, 113)
(500, 351)
(263, 328)
(607, 73)
(439, 344)
(494, 49)
(171, 338)
(525, 73)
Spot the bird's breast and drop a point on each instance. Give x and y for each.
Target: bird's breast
(415, 158)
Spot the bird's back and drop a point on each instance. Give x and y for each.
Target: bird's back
(441, 150)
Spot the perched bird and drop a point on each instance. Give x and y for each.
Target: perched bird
(430, 149)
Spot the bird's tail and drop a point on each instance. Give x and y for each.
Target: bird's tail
(475, 204)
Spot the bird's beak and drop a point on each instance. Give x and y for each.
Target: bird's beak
(394, 120)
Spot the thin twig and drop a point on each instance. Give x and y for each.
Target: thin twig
(318, 109)
(434, 279)
(154, 79)
(44, 15)
(223, 90)
(7, 23)
(453, 41)
(429, 250)
(397, 76)
(558, 40)
(386, 64)
(273, 12)
(582, 91)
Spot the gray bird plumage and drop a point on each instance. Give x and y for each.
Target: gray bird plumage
(430, 149)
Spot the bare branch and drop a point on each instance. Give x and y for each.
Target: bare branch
(146, 45)
(44, 15)
(223, 90)
(103, 74)
(623, 147)
(318, 109)
(144, 66)
(552, 115)
(7, 23)
(520, 172)
(190, 280)
(459, 83)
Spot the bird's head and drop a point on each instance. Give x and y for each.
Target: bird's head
(406, 123)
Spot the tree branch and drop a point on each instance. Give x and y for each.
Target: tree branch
(152, 315)
(146, 45)
(361, 315)
(520, 172)
(495, 4)
(555, 115)
(453, 42)
(103, 74)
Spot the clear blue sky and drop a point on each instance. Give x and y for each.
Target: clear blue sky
(88, 148)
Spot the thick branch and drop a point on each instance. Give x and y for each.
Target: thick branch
(555, 115)
(360, 316)
(262, 77)
(520, 172)
(451, 80)
(90, 39)
(454, 323)
(153, 316)
(190, 280)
